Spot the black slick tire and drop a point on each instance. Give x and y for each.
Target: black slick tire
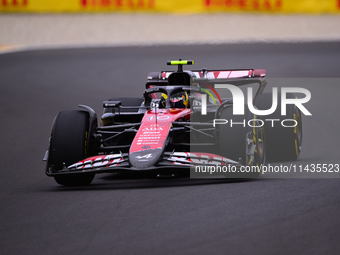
(69, 144)
(283, 143)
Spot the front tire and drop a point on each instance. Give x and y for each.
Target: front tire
(69, 144)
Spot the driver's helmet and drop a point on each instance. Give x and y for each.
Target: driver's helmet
(177, 100)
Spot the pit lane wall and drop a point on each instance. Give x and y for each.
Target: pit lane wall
(173, 6)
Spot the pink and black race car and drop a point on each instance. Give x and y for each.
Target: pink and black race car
(184, 120)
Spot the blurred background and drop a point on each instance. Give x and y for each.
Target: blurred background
(73, 23)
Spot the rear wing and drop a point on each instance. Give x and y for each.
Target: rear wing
(214, 74)
(208, 78)
(238, 76)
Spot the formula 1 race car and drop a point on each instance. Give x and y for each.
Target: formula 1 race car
(182, 121)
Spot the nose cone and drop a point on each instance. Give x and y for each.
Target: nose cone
(146, 158)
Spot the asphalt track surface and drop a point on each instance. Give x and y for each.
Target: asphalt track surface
(151, 216)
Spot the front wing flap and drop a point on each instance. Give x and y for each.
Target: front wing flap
(120, 163)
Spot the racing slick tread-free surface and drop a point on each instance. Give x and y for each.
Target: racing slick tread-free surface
(283, 143)
(69, 145)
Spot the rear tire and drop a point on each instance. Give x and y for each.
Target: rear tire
(283, 143)
(69, 144)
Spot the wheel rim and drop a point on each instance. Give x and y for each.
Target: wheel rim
(260, 146)
(298, 137)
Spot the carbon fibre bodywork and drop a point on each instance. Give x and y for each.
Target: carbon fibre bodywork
(159, 139)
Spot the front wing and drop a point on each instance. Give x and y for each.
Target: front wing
(171, 162)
